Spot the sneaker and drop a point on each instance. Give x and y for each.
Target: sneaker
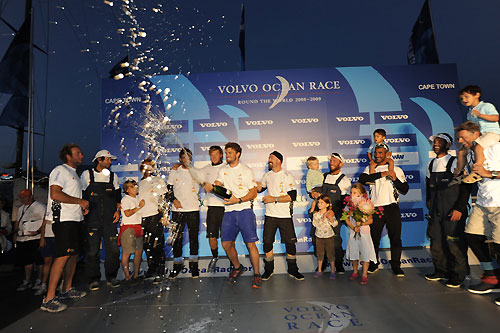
(333, 276)
(398, 272)
(235, 273)
(37, 284)
(114, 283)
(158, 280)
(42, 290)
(176, 270)
(353, 276)
(53, 305)
(267, 275)
(257, 281)
(212, 264)
(487, 285)
(317, 275)
(296, 275)
(497, 301)
(453, 283)
(434, 277)
(150, 274)
(195, 271)
(25, 285)
(94, 285)
(364, 280)
(340, 269)
(72, 293)
(372, 268)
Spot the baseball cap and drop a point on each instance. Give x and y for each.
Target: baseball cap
(445, 136)
(338, 156)
(103, 153)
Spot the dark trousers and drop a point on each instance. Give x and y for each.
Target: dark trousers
(448, 247)
(154, 243)
(192, 220)
(391, 219)
(109, 236)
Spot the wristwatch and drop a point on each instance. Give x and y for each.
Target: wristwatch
(494, 174)
(276, 200)
(239, 200)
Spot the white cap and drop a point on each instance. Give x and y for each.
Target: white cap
(103, 153)
(446, 137)
(338, 156)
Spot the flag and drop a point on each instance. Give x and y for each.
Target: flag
(15, 112)
(14, 67)
(422, 48)
(242, 36)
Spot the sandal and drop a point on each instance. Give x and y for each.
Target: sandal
(472, 178)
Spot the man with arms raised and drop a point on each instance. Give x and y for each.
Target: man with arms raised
(281, 193)
(65, 189)
(239, 216)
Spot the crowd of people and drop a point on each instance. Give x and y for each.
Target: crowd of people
(84, 212)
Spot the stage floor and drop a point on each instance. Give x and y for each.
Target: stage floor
(386, 304)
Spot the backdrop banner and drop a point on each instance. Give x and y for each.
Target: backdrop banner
(300, 113)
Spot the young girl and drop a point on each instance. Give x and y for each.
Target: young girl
(324, 221)
(130, 237)
(361, 247)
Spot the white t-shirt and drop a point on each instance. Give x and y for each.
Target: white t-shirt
(278, 184)
(99, 177)
(210, 173)
(66, 177)
(186, 190)
(30, 219)
(382, 193)
(344, 184)
(488, 194)
(240, 181)
(151, 189)
(440, 164)
(129, 202)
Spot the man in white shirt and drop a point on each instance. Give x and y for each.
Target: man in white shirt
(384, 192)
(448, 210)
(484, 221)
(100, 187)
(27, 237)
(68, 208)
(336, 185)
(281, 193)
(215, 211)
(151, 190)
(238, 215)
(186, 211)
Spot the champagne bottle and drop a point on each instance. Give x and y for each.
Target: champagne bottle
(221, 192)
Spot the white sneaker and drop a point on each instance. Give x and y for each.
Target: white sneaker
(42, 290)
(37, 284)
(25, 285)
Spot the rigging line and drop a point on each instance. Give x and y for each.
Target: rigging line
(40, 13)
(79, 42)
(86, 35)
(42, 166)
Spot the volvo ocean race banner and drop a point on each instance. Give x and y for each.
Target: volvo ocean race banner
(300, 113)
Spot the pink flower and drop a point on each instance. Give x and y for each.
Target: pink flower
(366, 207)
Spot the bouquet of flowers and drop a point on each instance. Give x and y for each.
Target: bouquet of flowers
(360, 209)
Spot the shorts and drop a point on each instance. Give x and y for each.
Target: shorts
(49, 250)
(69, 237)
(215, 214)
(285, 225)
(487, 139)
(485, 221)
(239, 221)
(325, 244)
(28, 253)
(130, 243)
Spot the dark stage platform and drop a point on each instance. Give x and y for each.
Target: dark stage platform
(386, 304)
